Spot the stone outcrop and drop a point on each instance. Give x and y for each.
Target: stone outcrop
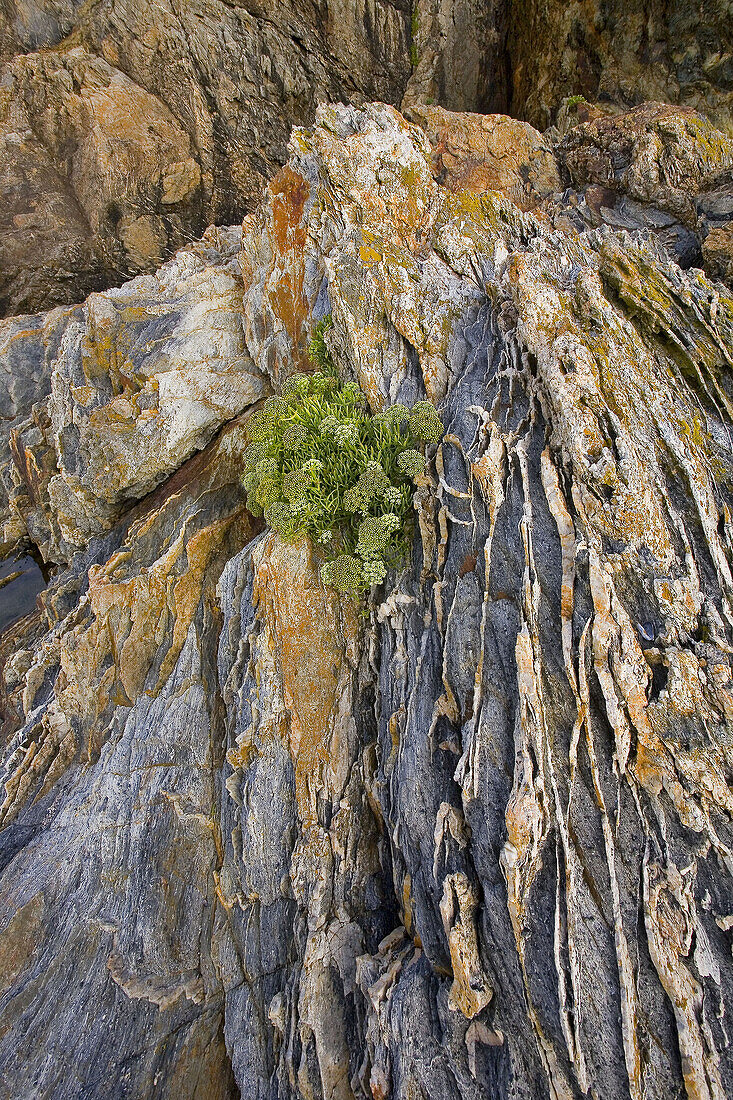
(661, 166)
(489, 153)
(108, 399)
(127, 126)
(476, 841)
(655, 154)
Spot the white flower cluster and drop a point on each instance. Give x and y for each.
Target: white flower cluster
(374, 571)
(342, 433)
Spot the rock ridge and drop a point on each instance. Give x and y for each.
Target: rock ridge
(476, 841)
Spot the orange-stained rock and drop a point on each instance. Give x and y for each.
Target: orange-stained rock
(136, 124)
(314, 636)
(96, 172)
(134, 618)
(472, 839)
(278, 305)
(479, 153)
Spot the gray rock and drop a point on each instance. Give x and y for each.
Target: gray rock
(473, 842)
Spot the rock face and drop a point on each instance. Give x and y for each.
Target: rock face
(96, 173)
(127, 126)
(623, 52)
(477, 841)
(661, 166)
(655, 154)
(137, 124)
(458, 54)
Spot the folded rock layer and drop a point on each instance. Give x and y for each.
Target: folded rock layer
(475, 841)
(127, 126)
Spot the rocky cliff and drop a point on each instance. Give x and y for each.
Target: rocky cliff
(474, 839)
(127, 126)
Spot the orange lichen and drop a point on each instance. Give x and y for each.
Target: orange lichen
(288, 231)
(312, 635)
(289, 191)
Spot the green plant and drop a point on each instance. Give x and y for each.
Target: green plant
(319, 464)
(414, 32)
(575, 100)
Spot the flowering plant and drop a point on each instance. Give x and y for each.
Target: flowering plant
(320, 464)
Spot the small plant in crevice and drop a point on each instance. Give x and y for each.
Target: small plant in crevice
(318, 463)
(414, 32)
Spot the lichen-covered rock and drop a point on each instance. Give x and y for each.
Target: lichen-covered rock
(657, 154)
(473, 842)
(110, 719)
(489, 153)
(657, 167)
(204, 95)
(28, 346)
(141, 377)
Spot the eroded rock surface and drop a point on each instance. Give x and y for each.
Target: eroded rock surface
(127, 127)
(458, 54)
(656, 154)
(473, 843)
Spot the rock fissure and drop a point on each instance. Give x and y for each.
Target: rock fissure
(477, 841)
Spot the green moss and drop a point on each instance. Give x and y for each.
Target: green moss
(319, 464)
(414, 31)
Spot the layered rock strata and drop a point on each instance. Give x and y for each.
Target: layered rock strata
(475, 842)
(127, 126)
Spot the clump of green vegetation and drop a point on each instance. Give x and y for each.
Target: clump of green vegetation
(414, 31)
(319, 464)
(576, 100)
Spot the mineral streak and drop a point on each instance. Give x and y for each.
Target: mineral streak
(476, 842)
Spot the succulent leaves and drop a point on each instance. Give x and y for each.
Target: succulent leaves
(319, 464)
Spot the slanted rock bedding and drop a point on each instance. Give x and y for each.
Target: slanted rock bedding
(474, 842)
